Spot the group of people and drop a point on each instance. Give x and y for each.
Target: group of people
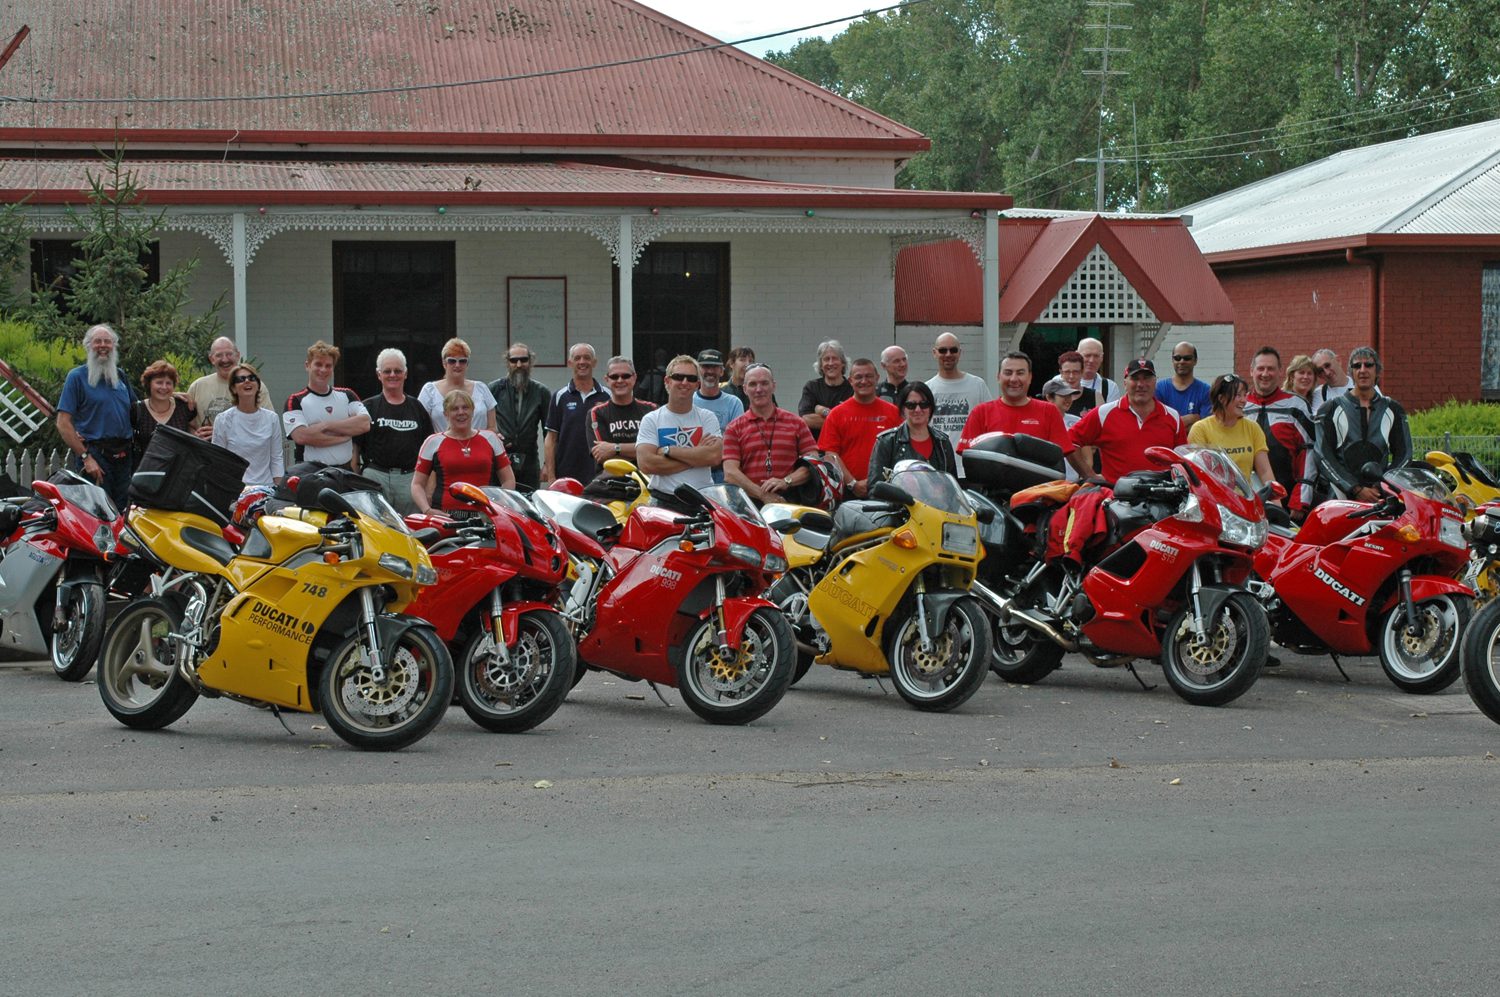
(1307, 425)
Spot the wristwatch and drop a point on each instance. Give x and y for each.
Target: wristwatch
(666, 451)
(787, 480)
(617, 449)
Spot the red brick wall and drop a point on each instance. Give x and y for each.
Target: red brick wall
(1429, 318)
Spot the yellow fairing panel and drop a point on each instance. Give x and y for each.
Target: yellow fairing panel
(162, 533)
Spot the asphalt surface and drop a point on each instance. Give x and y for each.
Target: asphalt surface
(1077, 836)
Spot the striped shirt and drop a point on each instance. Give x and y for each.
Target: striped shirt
(767, 448)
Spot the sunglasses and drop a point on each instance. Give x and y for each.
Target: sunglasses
(913, 406)
(456, 361)
(1362, 365)
(391, 373)
(242, 378)
(689, 378)
(516, 360)
(618, 377)
(945, 350)
(760, 366)
(1183, 359)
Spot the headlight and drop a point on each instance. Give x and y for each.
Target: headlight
(775, 564)
(1451, 532)
(104, 539)
(396, 565)
(960, 538)
(745, 553)
(1240, 531)
(426, 574)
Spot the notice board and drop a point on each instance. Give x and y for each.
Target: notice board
(538, 309)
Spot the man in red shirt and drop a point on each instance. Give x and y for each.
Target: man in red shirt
(1125, 428)
(761, 447)
(851, 427)
(1013, 411)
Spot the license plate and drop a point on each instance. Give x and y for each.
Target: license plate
(960, 538)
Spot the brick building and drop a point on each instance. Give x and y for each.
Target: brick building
(1395, 246)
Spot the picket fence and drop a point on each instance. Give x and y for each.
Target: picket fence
(25, 466)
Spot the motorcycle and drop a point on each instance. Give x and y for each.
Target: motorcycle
(302, 616)
(1475, 490)
(673, 597)
(494, 604)
(1363, 576)
(58, 553)
(1479, 655)
(1163, 577)
(888, 590)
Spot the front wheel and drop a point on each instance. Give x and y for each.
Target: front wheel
(138, 677)
(1481, 660)
(403, 706)
(1429, 660)
(516, 693)
(950, 668)
(1221, 666)
(725, 686)
(76, 643)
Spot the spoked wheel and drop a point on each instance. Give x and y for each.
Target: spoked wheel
(1428, 660)
(946, 672)
(401, 706)
(790, 598)
(1481, 660)
(75, 644)
(1222, 665)
(515, 693)
(727, 686)
(138, 677)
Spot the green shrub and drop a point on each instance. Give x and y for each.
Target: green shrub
(1458, 418)
(44, 363)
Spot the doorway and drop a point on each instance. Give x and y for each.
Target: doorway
(392, 294)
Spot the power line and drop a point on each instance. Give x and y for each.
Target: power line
(418, 87)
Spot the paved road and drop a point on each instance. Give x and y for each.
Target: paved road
(1320, 837)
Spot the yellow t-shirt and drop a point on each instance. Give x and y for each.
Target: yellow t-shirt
(1241, 442)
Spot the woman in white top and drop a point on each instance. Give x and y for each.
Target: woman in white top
(251, 431)
(455, 378)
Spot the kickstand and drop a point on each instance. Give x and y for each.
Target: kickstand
(277, 714)
(659, 695)
(881, 684)
(1340, 667)
(1130, 665)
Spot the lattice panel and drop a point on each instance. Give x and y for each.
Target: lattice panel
(1097, 292)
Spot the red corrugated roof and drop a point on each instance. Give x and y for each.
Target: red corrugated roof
(621, 183)
(940, 283)
(230, 48)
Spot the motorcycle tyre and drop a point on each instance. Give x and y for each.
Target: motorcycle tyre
(781, 590)
(770, 629)
(1447, 671)
(173, 697)
(1037, 656)
(536, 626)
(73, 658)
(976, 663)
(1481, 670)
(432, 657)
(1249, 656)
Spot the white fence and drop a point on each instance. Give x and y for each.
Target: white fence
(25, 466)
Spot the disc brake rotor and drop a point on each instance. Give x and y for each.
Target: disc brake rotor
(364, 695)
(506, 676)
(1425, 643)
(1206, 656)
(935, 659)
(727, 668)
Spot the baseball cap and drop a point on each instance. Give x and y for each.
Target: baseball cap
(711, 357)
(1140, 365)
(1057, 386)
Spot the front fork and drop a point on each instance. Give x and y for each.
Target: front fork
(501, 653)
(922, 627)
(1409, 606)
(374, 660)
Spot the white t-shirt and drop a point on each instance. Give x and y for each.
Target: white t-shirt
(255, 436)
(955, 399)
(308, 408)
(431, 398)
(661, 427)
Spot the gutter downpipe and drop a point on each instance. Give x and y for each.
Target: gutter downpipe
(1373, 262)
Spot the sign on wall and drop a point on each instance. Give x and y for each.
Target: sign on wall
(539, 317)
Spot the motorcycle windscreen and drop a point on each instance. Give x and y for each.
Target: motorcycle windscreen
(930, 486)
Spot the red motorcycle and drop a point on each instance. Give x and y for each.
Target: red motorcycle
(55, 566)
(1155, 568)
(675, 597)
(1360, 576)
(498, 569)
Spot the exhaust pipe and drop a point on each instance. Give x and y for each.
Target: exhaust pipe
(1003, 610)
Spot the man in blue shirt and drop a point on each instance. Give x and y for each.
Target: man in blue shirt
(93, 416)
(566, 449)
(1182, 391)
(725, 407)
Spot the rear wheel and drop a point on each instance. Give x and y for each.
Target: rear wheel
(76, 643)
(513, 694)
(950, 669)
(1481, 660)
(727, 686)
(1022, 655)
(1428, 660)
(406, 703)
(791, 599)
(1221, 666)
(138, 677)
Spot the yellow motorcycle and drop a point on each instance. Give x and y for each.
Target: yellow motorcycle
(300, 615)
(887, 591)
(1474, 488)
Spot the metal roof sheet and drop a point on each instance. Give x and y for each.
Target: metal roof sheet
(500, 182)
(1443, 182)
(232, 49)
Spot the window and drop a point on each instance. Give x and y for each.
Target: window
(1489, 334)
(54, 262)
(392, 294)
(681, 299)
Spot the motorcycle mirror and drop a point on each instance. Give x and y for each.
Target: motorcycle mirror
(1161, 456)
(1371, 473)
(690, 497)
(786, 526)
(986, 514)
(468, 493)
(887, 492)
(1277, 490)
(46, 490)
(331, 501)
(620, 466)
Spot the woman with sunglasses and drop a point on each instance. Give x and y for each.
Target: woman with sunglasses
(251, 431)
(915, 439)
(456, 378)
(1227, 429)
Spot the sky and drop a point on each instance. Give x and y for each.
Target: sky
(740, 19)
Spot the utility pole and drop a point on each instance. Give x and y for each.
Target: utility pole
(1104, 72)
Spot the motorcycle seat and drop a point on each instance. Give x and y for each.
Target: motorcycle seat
(596, 521)
(208, 543)
(1127, 518)
(859, 518)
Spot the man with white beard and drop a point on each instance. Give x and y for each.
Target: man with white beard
(93, 416)
(520, 407)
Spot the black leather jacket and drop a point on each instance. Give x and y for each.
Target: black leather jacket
(894, 445)
(1349, 436)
